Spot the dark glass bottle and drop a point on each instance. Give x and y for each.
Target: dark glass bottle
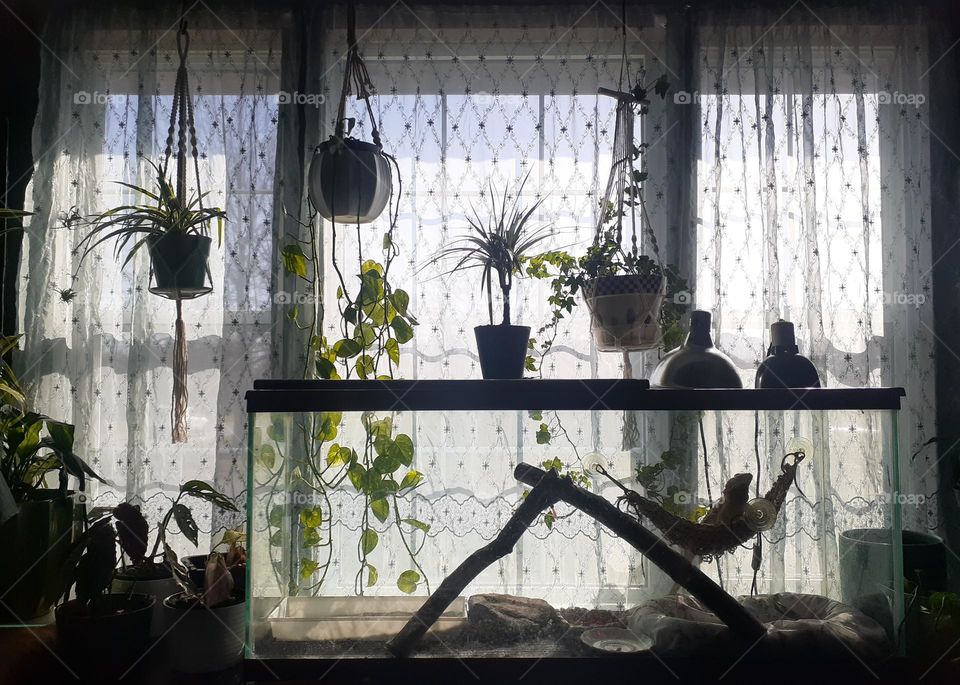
(784, 366)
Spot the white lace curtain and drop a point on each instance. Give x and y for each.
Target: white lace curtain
(782, 185)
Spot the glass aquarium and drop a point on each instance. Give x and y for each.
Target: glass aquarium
(368, 500)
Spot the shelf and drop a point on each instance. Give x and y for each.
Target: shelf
(551, 394)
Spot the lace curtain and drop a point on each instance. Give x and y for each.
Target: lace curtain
(102, 359)
(781, 183)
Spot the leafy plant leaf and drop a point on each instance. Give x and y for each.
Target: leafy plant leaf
(184, 518)
(425, 527)
(411, 480)
(206, 492)
(132, 530)
(543, 434)
(368, 541)
(401, 330)
(407, 582)
(372, 575)
(393, 350)
(400, 300)
(307, 568)
(294, 260)
(312, 517)
(267, 456)
(380, 509)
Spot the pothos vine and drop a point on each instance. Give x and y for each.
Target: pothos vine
(373, 322)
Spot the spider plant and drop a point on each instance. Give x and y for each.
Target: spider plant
(163, 214)
(498, 244)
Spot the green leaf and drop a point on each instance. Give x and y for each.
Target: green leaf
(393, 350)
(184, 518)
(311, 537)
(402, 330)
(276, 539)
(294, 260)
(543, 435)
(206, 492)
(535, 414)
(368, 541)
(403, 447)
(400, 300)
(366, 333)
(267, 456)
(336, 456)
(549, 519)
(425, 527)
(276, 431)
(365, 366)
(380, 509)
(346, 348)
(407, 582)
(387, 242)
(276, 516)
(411, 480)
(312, 517)
(357, 475)
(328, 425)
(372, 575)
(325, 369)
(307, 568)
(61, 434)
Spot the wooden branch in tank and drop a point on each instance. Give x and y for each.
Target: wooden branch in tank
(540, 498)
(548, 489)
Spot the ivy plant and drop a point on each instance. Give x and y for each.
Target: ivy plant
(372, 322)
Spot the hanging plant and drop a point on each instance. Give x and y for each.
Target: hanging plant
(350, 180)
(173, 225)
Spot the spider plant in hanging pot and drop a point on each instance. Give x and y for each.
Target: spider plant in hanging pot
(175, 231)
(350, 180)
(500, 246)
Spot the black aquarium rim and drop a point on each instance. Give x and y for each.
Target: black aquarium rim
(549, 394)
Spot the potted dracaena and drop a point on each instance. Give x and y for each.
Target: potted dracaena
(174, 230)
(38, 523)
(499, 246)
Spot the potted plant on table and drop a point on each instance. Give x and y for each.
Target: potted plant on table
(149, 573)
(499, 245)
(38, 523)
(206, 620)
(103, 636)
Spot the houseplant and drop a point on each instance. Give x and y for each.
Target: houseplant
(499, 245)
(149, 573)
(175, 230)
(38, 523)
(103, 636)
(206, 619)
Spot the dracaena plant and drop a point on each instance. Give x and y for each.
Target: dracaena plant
(499, 244)
(160, 213)
(32, 446)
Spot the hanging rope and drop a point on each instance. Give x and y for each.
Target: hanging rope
(356, 80)
(182, 125)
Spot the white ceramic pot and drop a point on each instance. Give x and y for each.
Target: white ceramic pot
(202, 640)
(158, 588)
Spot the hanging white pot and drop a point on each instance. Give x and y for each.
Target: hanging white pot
(624, 311)
(349, 181)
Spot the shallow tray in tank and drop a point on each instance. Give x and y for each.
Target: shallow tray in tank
(355, 618)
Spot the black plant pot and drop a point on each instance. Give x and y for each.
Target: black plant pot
(179, 260)
(36, 543)
(106, 643)
(502, 349)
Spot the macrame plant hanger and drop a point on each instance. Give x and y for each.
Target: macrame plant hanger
(181, 122)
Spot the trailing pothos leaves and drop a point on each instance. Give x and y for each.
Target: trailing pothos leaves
(374, 321)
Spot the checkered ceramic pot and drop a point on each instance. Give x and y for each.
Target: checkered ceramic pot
(624, 311)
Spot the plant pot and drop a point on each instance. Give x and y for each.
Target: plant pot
(624, 311)
(502, 349)
(107, 643)
(36, 542)
(179, 260)
(201, 639)
(350, 181)
(866, 568)
(155, 581)
(196, 566)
